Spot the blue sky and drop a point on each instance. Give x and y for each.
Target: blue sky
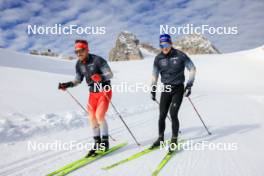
(142, 18)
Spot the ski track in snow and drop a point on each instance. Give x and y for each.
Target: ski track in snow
(32, 162)
(26, 163)
(193, 160)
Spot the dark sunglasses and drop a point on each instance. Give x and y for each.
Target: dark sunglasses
(166, 45)
(79, 51)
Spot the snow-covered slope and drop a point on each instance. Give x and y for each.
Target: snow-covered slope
(33, 62)
(228, 92)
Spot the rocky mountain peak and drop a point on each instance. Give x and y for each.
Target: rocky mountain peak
(196, 44)
(126, 48)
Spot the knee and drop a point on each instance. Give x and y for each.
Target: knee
(100, 119)
(162, 115)
(91, 114)
(162, 118)
(102, 122)
(93, 122)
(174, 110)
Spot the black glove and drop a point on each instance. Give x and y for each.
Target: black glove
(153, 93)
(188, 90)
(64, 86)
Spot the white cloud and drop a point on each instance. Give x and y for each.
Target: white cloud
(123, 15)
(14, 15)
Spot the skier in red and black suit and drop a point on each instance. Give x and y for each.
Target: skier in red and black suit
(97, 73)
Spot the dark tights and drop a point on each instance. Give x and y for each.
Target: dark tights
(170, 101)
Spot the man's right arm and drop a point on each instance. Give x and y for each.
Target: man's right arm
(155, 74)
(77, 80)
(154, 80)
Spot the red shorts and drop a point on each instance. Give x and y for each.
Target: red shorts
(98, 104)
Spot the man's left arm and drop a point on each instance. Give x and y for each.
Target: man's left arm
(192, 70)
(107, 73)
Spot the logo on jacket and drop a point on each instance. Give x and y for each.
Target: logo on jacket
(91, 68)
(83, 69)
(174, 60)
(164, 62)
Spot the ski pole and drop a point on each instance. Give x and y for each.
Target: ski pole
(120, 116)
(83, 107)
(199, 116)
(167, 114)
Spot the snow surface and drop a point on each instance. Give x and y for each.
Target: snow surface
(228, 92)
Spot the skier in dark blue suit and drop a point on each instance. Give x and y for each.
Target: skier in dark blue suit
(170, 63)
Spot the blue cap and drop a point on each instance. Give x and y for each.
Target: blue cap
(165, 38)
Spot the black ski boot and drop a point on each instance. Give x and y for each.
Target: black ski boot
(157, 142)
(97, 141)
(105, 143)
(173, 144)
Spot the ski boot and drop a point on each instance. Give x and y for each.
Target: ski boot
(157, 142)
(97, 141)
(105, 143)
(173, 144)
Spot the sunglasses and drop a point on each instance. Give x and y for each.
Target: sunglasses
(165, 45)
(79, 51)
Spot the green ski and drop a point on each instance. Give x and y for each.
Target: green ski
(135, 156)
(166, 159)
(84, 161)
